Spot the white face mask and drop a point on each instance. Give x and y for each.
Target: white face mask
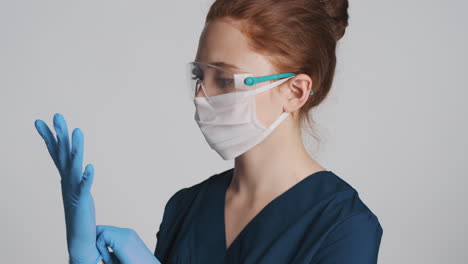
(229, 122)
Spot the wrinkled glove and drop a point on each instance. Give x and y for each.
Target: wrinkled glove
(78, 203)
(126, 245)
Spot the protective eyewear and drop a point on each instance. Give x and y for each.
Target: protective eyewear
(208, 80)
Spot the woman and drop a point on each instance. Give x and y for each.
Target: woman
(261, 66)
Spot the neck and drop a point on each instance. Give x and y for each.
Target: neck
(274, 165)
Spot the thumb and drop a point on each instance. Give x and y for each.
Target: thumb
(87, 179)
(104, 239)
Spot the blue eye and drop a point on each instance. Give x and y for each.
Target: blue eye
(224, 82)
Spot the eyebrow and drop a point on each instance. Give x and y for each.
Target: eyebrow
(225, 65)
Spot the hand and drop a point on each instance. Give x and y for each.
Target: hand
(126, 244)
(78, 203)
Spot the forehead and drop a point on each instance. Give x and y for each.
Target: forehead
(222, 41)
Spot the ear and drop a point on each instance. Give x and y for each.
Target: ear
(296, 92)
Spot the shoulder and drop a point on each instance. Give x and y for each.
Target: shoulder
(354, 231)
(354, 240)
(184, 197)
(343, 198)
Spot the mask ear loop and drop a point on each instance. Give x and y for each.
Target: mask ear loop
(269, 86)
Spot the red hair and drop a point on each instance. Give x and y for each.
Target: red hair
(297, 36)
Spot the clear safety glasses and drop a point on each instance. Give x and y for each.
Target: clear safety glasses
(207, 80)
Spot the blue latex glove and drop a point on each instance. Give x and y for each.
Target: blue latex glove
(78, 203)
(126, 244)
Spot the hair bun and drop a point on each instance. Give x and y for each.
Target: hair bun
(338, 11)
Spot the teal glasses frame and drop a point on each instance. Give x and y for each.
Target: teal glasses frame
(249, 81)
(254, 80)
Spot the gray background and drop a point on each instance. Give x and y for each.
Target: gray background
(394, 125)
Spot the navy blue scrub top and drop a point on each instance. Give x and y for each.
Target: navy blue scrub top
(319, 220)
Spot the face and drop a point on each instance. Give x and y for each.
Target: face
(221, 41)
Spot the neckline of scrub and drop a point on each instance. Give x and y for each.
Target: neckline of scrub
(227, 182)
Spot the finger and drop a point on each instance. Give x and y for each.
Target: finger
(63, 141)
(99, 229)
(102, 248)
(106, 235)
(49, 139)
(107, 228)
(87, 180)
(77, 154)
